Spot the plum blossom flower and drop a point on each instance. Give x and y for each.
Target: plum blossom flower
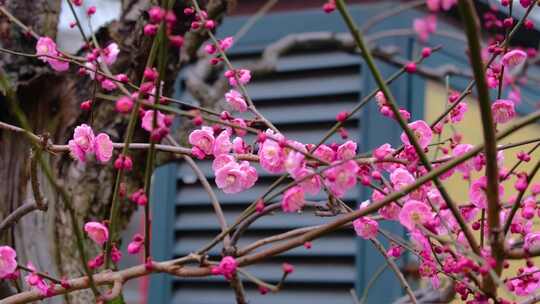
(222, 143)
(35, 280)
(109, 54)
(148, 120)
(293, 199)
(457, 113)
(532, 241)
(400, 178)
(227, 267)
(459, 150)
(311, 185)
(47, 47)
(272, 155)
(226, 43)
(97, 232)
(437, 5)
(365, 227)
(202, 141)
(341, 178)
(8, 262)
(414, 213)
(325, 153)
(236, 100)
(238, 77)
(221, 160)
(422, 131)
(346, 150)
(103, 147)
(477, 192)
(82, 142)
(124, 104)
(239, 146)
(425, 27)
(503, 110)
(230, 178)
(513, 58)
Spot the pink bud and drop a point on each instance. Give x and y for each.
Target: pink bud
(91, 10)
(263, 290)
(329, 7)
(86, 105)
(410, 67)
(342, 116)
(150, 74)
(122, 78)
(189, 11)
(210, 24)
(288, 268)
(156, 14)
(150, 29)
(197, 120)
(195, 25)
(176, 40)
(124, 104)
(426, 52)
(259, 207)
(142, 200)
(77, 2)
(128, 163)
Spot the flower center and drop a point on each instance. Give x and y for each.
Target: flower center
(231, 179)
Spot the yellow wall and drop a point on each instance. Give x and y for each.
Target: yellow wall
(471, 129)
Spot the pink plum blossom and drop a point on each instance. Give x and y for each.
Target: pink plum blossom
(236, 100)
(425, 27)
(514, 58)
(243, 76)
(422, 131)
(124, 104)
(346, 150)
(226, 43)
(103, 147)
(503, 110)
(272, 155)
(293, 199)
(222, 143)
(148, 120)
(202, 141)
(477, 192)
(341, 178)
(457, 113)
(97, 232)
(230, 178)
(401, 178)
(414, 213)
(221, 160)
(366, 228)
(109, 54)
(325, 153)
(437, 5)
(8, 262)
(82, 142)
(459, 150)
(239, 146)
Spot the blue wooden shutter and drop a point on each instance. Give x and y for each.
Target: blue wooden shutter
(302, 99)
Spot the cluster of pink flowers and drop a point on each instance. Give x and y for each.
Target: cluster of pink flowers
(84, 143)
(425, 26)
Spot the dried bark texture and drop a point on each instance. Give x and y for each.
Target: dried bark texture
(51, 102)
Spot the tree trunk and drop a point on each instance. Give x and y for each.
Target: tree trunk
(51, 102)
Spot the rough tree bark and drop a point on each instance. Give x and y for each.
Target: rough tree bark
(51, 102)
